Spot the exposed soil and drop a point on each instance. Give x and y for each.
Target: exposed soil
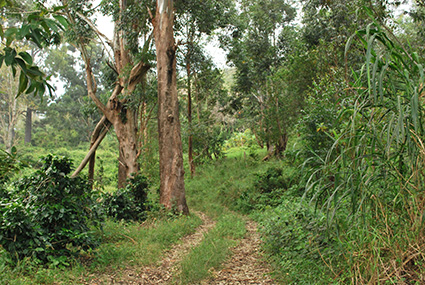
(244, 267)
(165, 269)
(168, 266)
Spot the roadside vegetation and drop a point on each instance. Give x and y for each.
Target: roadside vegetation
(316, 133)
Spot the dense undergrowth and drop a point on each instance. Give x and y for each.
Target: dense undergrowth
(116, 230)
(300, 237)
(345, 204)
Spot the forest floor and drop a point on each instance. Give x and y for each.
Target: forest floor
(244, 266)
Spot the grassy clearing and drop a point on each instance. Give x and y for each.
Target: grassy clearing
(124, 245)
(219, 184)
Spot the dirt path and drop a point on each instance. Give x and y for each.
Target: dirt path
(245, 265)
(163, 271)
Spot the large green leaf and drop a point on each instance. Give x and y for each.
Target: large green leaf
(62, 20)
(23, 83)
(10, 55)
(26, 56)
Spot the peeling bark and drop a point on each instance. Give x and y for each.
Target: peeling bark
(116, 112)
(172, 190)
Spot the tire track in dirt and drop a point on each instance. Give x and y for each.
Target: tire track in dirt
(167, 267)
(246, 265)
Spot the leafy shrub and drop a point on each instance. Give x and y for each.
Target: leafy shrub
(48, 214)
(320, 118)
(9, 164)
(295, 236)
(268, 188)
(240, 139)
(270, 180)
(129, 203)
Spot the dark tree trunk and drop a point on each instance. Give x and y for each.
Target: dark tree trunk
(28, 125)
(172, 190)
(280, 146)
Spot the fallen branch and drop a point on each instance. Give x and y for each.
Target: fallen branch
(92, 149)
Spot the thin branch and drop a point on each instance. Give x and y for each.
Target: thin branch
(101, 36)
(91, 86)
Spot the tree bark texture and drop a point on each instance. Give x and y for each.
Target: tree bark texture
(189, 119)
(172, 190)
(28, 125)
(117, 110)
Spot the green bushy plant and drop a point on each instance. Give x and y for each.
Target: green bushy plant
(240, 139)
(9, 164)
(320, 118)
(48, 214)
(208, 142)
(129, 203)
(268, 188)
(373, 169)
(270, 180)
(296, 238)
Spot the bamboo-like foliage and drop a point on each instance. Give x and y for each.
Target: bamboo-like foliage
(372, 180)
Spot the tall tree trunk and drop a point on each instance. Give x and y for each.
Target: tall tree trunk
(13, 117)
(126, 131)
(116, 111)
(283, 136)
(172, 190)
(28, 125)
(9, 141)
(189, 118)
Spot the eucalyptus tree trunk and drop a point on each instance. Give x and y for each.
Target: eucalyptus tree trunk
(172, 190)
(28, 125)
(117, 111)
(189, 119)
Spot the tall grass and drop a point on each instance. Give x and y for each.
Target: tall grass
(370, 184)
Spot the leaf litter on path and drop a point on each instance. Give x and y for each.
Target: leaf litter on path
(244, 267)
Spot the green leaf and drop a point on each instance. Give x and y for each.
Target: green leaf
(52, 25)
(62, 20)
(348, 44)
(23, 31)
(33, 70)
(40, 90)
(45, 27)
(33, 18)
(31, 88)
(22, 64)
(9, 56)
(36, 37)
(50, 88)
(23, 83)
(10, 32)
(58, 8)
(415, 109)
(26, 56)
